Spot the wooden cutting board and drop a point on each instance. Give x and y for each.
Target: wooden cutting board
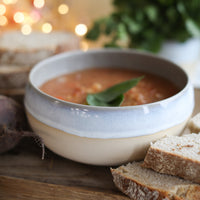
(24, 175)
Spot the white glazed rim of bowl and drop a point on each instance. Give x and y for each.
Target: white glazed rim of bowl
(111, 122)
(109, 50)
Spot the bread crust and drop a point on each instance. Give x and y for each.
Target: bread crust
(138, 191)
(173, 164)
(19, 57)
(19, 53)
(15, 78)
(24, 54)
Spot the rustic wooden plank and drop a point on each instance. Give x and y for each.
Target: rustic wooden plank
(21, 189)
(25, 162)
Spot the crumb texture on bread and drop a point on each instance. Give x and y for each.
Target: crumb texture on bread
(140, 183)
(176, 155)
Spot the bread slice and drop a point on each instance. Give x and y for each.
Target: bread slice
(19, 49)
(194, 124)
(13, 76)
(176, 155)
(145, 184)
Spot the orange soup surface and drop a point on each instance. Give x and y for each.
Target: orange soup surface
(74, 87)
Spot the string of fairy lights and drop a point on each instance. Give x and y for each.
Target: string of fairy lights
(11, 14)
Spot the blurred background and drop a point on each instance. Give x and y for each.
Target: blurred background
(168, 28)
(50, 15)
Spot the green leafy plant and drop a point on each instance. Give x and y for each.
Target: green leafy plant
(146, 24)
(112, 96)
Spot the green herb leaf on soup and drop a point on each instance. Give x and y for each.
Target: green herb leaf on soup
(93, 101)
(112, 96)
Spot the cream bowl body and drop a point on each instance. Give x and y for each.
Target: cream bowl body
(105, 135)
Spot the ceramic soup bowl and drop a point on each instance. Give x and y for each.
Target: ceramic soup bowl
(105, 135)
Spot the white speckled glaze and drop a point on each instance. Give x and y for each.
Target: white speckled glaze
(107, 123)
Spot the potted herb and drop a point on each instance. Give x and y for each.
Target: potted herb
(157, 26)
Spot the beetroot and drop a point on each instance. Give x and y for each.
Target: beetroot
(13, 123)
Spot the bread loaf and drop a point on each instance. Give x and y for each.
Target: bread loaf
(19, 49)
(140, 183)
(13, 76)
(176, 155)
(19, 53)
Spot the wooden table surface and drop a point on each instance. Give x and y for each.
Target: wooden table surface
(24, 175)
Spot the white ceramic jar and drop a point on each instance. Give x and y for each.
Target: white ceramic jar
(185, 54)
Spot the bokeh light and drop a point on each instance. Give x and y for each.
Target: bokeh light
(18, 17)
(2, 9)
(10, 1)
(28, 19)
(39, 3)
(63, 9)
(3, 21)
(81, 29)
(26, 29)
(47, 28)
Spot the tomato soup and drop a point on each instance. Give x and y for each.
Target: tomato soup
(74, 87)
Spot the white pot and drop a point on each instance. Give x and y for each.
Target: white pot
(186, 54)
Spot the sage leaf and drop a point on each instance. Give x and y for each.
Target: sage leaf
(91, 100)
(112, 96)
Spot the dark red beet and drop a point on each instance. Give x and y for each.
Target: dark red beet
(12, 123)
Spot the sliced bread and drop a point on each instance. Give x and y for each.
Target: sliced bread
(140, 183)
(19, 49)
(13, 76)
(176, 155)
(194, 124)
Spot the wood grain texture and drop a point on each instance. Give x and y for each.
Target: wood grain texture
(23, 166)
(25, 162)
(21, 189)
